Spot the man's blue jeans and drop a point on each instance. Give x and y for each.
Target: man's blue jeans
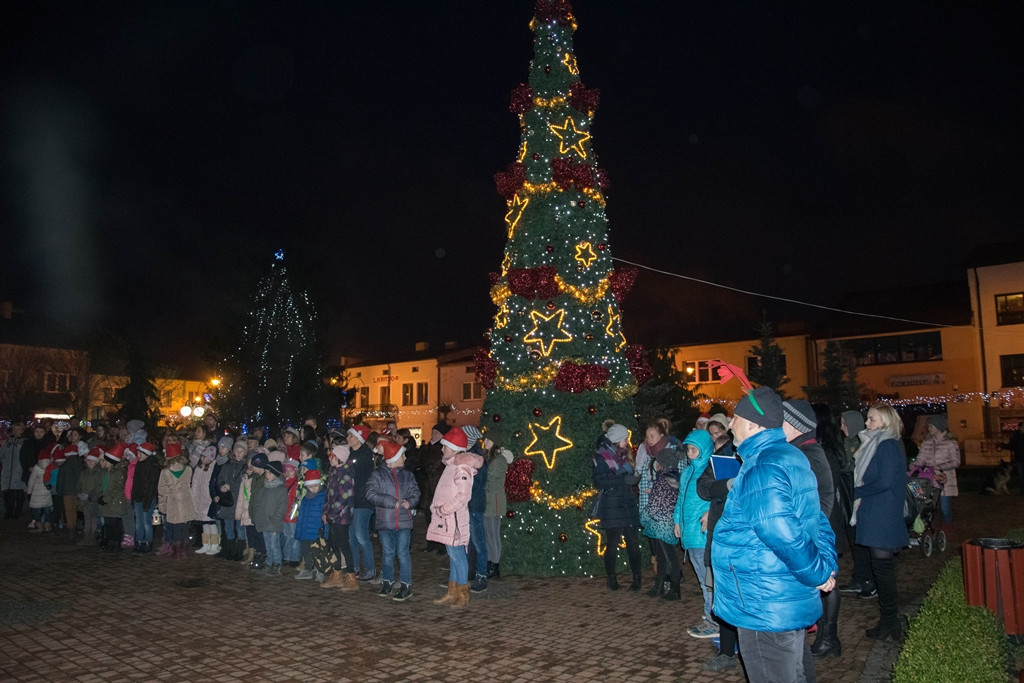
(392, 542)
(478, 537)
(776, 657)
(272, 540)
(359, 539)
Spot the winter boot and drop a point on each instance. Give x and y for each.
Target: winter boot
(258, 560)
(612, 582)
(827, 640)
(183, 547)
(673, 592)
(147, 548)
(493, 570)
(334, 580)
(659, 585)
(349, 582)
(164, 549)
(635, 585)
(385, 589)
(247, 556)
(136, 547)
(214, 548)
(205, 546)
(461, 595)
(127, 541)
(479, 584)
(448, 597)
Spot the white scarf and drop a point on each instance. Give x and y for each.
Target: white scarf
(869, 441)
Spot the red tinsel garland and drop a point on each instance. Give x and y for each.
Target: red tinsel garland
(522, 99)
(602, 178)
(554, 10)
(584, 99)
(565, 170)
(521, 282)
(486, 368)
(577, 378)
(494, 277)
(638, 365)
(533, 283)
(518, 480)
(621, 281)
(509, 182)
(547, 288)
(561, 171)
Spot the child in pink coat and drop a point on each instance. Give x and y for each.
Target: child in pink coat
(449, 522)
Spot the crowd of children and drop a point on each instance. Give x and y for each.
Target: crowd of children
(304, 502)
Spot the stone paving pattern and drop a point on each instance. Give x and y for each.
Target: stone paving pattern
(69, 613)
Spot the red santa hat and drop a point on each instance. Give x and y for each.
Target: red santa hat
(455, 439)
(391, 451)
(361, 432)
(311, 477)
(146, 448)
(172, 450)
(59, 455)
(94, 454)
(115, 453)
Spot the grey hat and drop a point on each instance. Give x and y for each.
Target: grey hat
(617, 433)
(762, 406)
(940, 422)
(800, 415)
(225, 442)
(668, 458)
(720, 418)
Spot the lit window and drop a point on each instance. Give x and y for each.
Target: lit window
(700, 371)
(1010, 309)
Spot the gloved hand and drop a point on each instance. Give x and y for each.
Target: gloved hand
(101, 501)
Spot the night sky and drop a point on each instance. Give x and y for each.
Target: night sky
(155, 155)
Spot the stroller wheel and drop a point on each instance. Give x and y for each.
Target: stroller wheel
(940, 541)
(926, 545)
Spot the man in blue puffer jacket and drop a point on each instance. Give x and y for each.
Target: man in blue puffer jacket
(773, 548)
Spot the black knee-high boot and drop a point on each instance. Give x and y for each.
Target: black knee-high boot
(885, 578)
(827, 641)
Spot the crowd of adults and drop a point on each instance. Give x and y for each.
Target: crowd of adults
(762, 503)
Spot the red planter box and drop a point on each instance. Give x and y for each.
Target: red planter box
(994, 578)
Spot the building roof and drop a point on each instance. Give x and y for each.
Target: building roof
(995, 254)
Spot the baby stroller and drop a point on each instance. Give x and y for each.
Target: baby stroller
(923, 499)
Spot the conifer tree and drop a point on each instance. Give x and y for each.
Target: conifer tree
(770, 368)
(839, 388)
(274, 373)
(558, 364)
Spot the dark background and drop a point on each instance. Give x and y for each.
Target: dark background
(155, 155)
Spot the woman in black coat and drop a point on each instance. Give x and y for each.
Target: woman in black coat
(617, 509)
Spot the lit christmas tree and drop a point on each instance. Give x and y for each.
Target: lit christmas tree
(559, 364)
(274, 374)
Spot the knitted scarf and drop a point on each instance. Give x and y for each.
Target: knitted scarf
(863, 457)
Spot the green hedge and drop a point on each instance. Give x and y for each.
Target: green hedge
(950, 640)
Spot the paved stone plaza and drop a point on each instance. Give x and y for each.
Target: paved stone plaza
(69, 613)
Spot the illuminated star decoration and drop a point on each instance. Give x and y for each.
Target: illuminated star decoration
(585, 254)
(552, 433)
(614, 318)
(515, 212)
(553, 330)
(570, 137)
(591, 526)
(570, 63)
(279, 255)
(501, 317)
